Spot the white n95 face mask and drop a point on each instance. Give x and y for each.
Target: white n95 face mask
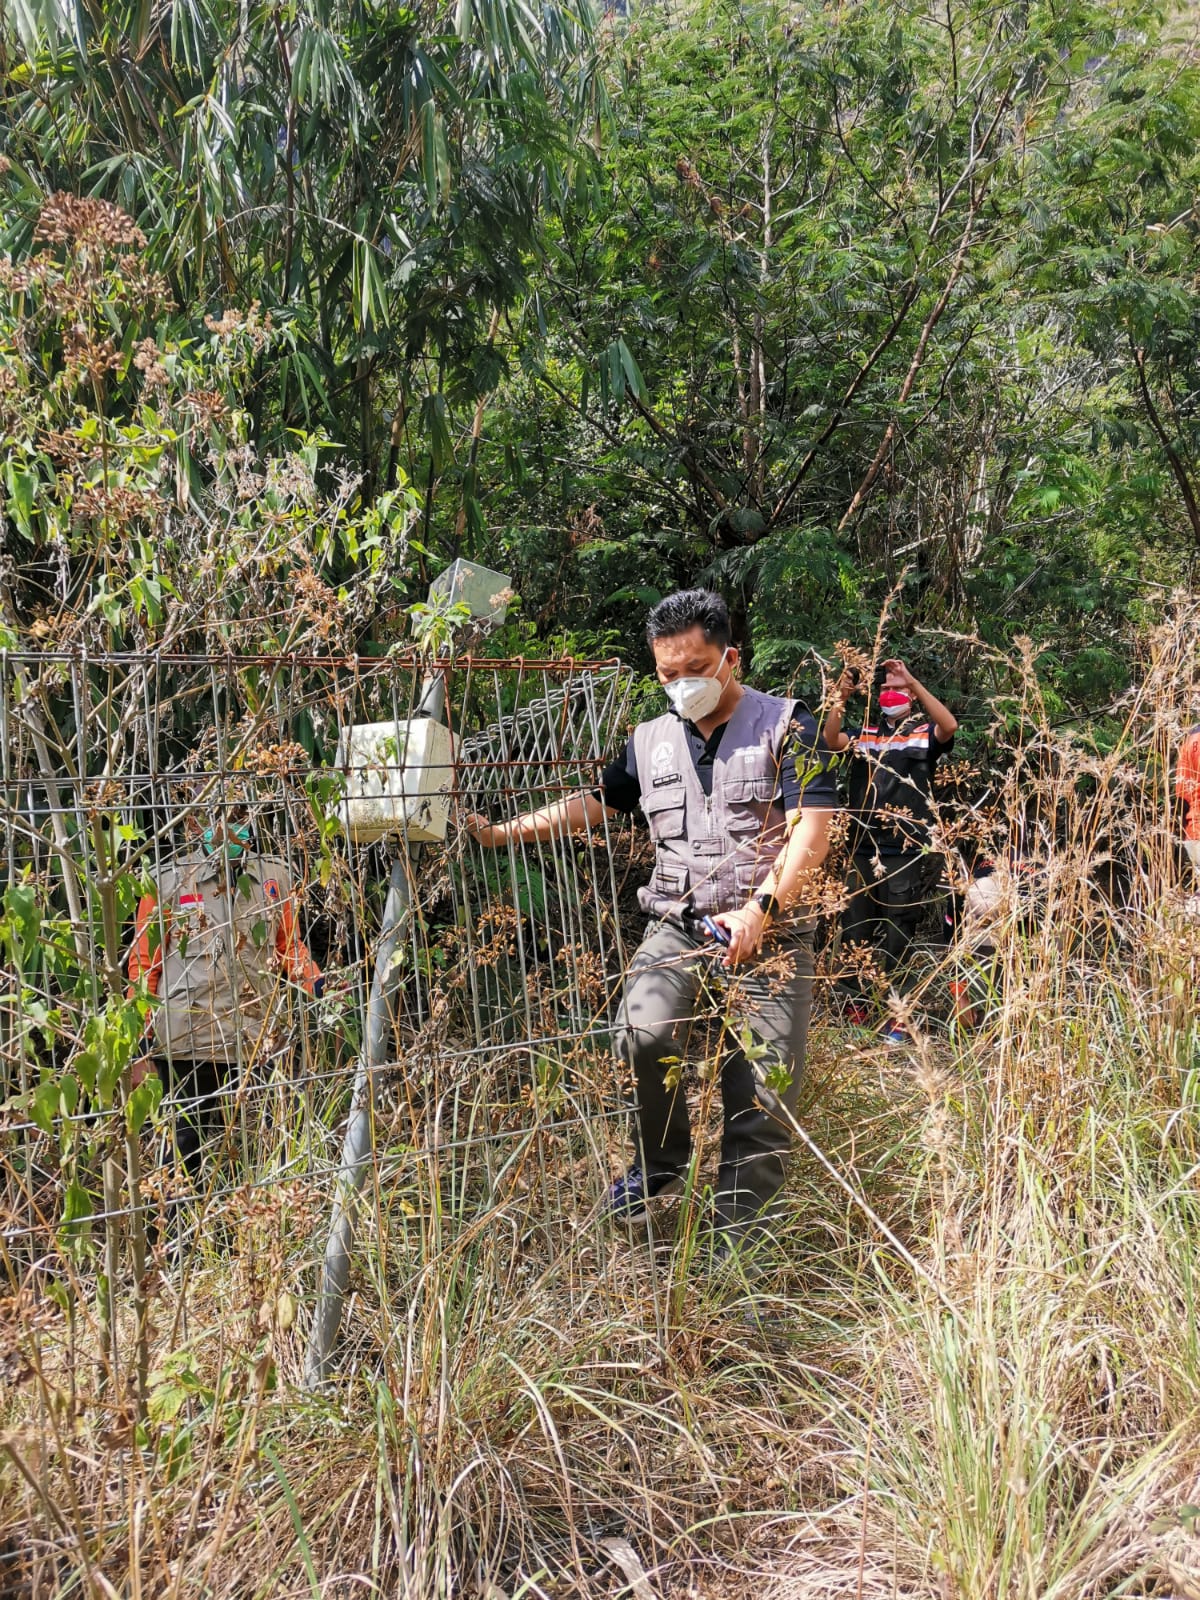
(694, 698)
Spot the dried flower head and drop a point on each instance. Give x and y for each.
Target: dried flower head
(117, 503)
(316, 602)
(251, 323)
(209, 406)
(851, 656)
(148, 360)
(89, 357)
(72, 219)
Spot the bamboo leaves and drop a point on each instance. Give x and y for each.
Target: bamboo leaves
(357, 170)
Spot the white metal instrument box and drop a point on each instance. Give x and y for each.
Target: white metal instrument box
(399, 777)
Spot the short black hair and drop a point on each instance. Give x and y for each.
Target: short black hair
(690, 608)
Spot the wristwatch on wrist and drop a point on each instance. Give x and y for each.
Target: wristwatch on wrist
(767, 904)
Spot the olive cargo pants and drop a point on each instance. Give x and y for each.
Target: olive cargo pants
(677, 976)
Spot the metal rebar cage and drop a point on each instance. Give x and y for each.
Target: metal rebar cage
(492, 1106)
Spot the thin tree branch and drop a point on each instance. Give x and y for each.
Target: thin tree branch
(1173, 457)
(855, 384)
(910, 377)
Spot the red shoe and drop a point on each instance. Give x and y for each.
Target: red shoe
(858, 1015)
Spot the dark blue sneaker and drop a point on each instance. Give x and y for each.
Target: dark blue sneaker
(626, 1199)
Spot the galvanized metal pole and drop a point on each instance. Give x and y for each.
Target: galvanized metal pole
(358, 1147)
(359, 1144)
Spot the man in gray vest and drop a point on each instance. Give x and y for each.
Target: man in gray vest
(736, 789)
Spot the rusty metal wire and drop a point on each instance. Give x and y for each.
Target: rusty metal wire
(499, 1091)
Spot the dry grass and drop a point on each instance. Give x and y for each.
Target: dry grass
(530, 1403)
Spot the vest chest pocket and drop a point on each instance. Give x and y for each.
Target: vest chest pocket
(664, 811)
(753, 789)
(748, 807)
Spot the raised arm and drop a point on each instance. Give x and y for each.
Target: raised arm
(945, 723)
(576, 815)
(842, 690)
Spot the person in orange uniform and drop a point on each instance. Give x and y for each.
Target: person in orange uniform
(1187, 788)
(216, 943)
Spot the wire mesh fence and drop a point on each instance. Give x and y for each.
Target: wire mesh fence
(190, 940)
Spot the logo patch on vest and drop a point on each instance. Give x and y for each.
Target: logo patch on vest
(271, 888)
(662, 753)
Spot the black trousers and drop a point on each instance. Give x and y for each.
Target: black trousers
(195, 1087)
(883, 913)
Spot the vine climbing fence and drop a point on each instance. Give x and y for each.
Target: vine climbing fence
(495, 1113)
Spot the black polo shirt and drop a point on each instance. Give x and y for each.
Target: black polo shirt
(805, 771)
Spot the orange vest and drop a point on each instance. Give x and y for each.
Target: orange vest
(1187, 781)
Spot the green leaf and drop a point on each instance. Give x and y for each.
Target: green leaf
(631, 370)
(77, 1206)
(68, 1093)
(165, 1402)
(22, 921)
(433, 417)
(87, 1068)
(297, 1521)
(22, 485)
(144, 1102)
(44, 1105)
(435, 159)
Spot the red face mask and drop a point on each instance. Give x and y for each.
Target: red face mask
(894, 702)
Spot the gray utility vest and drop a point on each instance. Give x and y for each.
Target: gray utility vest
(712, 852)
(222, 991)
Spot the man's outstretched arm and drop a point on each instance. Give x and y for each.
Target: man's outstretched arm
(576, 815)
